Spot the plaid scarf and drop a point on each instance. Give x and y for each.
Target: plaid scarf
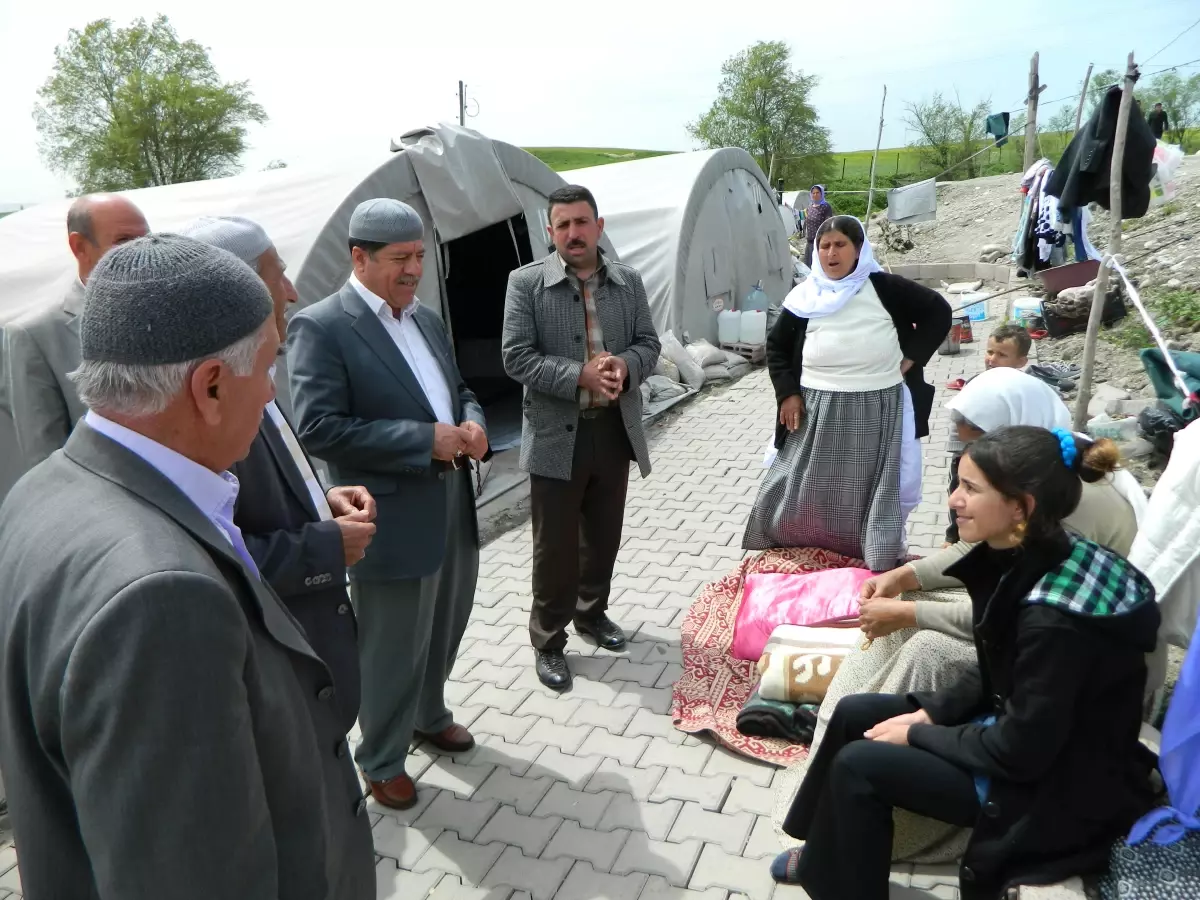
(1093, 581)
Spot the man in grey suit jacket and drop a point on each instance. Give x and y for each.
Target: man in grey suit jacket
(377, 395)
(167, 731)
(578, 335)
(42, 346)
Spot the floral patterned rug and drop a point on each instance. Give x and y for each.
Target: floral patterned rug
(714, 686)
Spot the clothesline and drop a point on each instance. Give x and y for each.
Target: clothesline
(1189, 398)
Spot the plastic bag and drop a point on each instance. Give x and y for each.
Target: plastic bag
(1163, 188)
(705, 354)
(691, 373)
(1158, 425)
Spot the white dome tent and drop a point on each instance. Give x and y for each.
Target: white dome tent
(484, 207)
(700, 227)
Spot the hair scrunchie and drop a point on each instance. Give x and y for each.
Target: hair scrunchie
(1067, 446)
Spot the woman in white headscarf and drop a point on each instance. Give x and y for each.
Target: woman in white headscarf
(923, 640)
(846, 360)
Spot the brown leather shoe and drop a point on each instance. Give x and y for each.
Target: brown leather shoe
(395, 793)
(455, 739)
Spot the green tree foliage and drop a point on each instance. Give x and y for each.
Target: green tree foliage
(763, 105)
(1180, 97)
(948, 132)
(136, 107)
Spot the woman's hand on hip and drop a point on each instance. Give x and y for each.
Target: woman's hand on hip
(895, 730)
(905, 365)
(791, 411)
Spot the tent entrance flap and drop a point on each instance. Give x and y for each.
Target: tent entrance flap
(477, 269)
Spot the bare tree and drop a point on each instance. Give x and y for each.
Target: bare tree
(947, 132)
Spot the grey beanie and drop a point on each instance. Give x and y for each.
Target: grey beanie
(165, 298)
(242, 237)
(386, 221)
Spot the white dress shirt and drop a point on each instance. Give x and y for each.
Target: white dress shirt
(407, 337)
(315, 492)
(214, 494)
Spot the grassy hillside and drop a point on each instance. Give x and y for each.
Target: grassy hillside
(562, 159)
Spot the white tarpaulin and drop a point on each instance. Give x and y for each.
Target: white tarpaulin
(701, 228)
(306, 211)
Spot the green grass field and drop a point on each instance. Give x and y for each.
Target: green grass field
(562, 159)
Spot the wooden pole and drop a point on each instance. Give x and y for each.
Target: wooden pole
(874, 159)
(1031, 107)
(1087, 80)
(1114, 247)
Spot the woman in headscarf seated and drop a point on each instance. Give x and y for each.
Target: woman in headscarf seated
(1035, 747)
(923, 641)
(846, 359)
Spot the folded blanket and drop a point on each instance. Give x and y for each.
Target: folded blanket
(772, 718)
(809, 598)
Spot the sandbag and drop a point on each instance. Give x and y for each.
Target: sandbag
(705, 354)
(663, 388)
(689, 371)
(666, 368)
(714, 374)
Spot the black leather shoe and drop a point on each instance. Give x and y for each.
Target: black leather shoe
(604, 631)
(552, 669)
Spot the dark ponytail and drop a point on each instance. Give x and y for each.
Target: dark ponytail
(1022, 461)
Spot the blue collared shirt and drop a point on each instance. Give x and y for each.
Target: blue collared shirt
(214, 494)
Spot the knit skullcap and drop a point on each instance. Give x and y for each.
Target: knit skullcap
(386, 221)
(242, 237)
(165, 298)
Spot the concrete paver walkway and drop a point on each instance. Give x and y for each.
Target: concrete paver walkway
(594, 794)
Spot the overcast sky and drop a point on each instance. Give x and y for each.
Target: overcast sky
(339, 81)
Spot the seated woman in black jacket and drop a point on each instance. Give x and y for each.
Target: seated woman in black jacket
(846, 360)
(1037, 747)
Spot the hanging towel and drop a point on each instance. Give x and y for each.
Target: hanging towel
(997, 127)
(913, 203)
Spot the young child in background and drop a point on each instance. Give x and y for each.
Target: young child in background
(1007, 348)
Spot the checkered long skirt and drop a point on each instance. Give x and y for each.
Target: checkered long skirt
(836, 481)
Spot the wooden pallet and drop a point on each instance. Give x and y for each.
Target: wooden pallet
(755, 353)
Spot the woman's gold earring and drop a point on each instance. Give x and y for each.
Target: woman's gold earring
(1019, 531)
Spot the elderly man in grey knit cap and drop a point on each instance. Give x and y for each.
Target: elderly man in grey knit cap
(166, 728)
(378, 396)
(301, 536)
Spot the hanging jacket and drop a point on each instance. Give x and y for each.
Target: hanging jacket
(1084, 174)
(1062, 626)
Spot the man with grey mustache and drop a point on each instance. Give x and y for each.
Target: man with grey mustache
(377, 395)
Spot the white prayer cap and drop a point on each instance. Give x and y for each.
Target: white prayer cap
(240, 236)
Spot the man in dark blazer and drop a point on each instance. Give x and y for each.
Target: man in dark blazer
(378, 397)
(301, 536)
(165, 727)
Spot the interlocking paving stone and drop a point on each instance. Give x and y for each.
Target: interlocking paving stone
(451, 776)
(451, 887)
(717, 868)
(559, 709)
(645, 674)
(745, 796)
(466, 817)
(425, 797)
(672, 860)
(707, 790)
(575, 769)
(492, 697)
(530, 833)
(392, 883)
(600, 848)
(764, 843)
(647, 723)
(687, 759)
(655, 819)
(635, 781)
(723, 762)
(656, 700)
(523, 793)
(453, 856)
(729, 830)
(584, 883)
(568, 738)
(495, 751)
(540, 877)
(457, 692)
(403, 843)
(627, 750)
(579, 806)
(511, 728)
(659, 888)
(614, 719)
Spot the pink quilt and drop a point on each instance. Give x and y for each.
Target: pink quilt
(812, 598)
